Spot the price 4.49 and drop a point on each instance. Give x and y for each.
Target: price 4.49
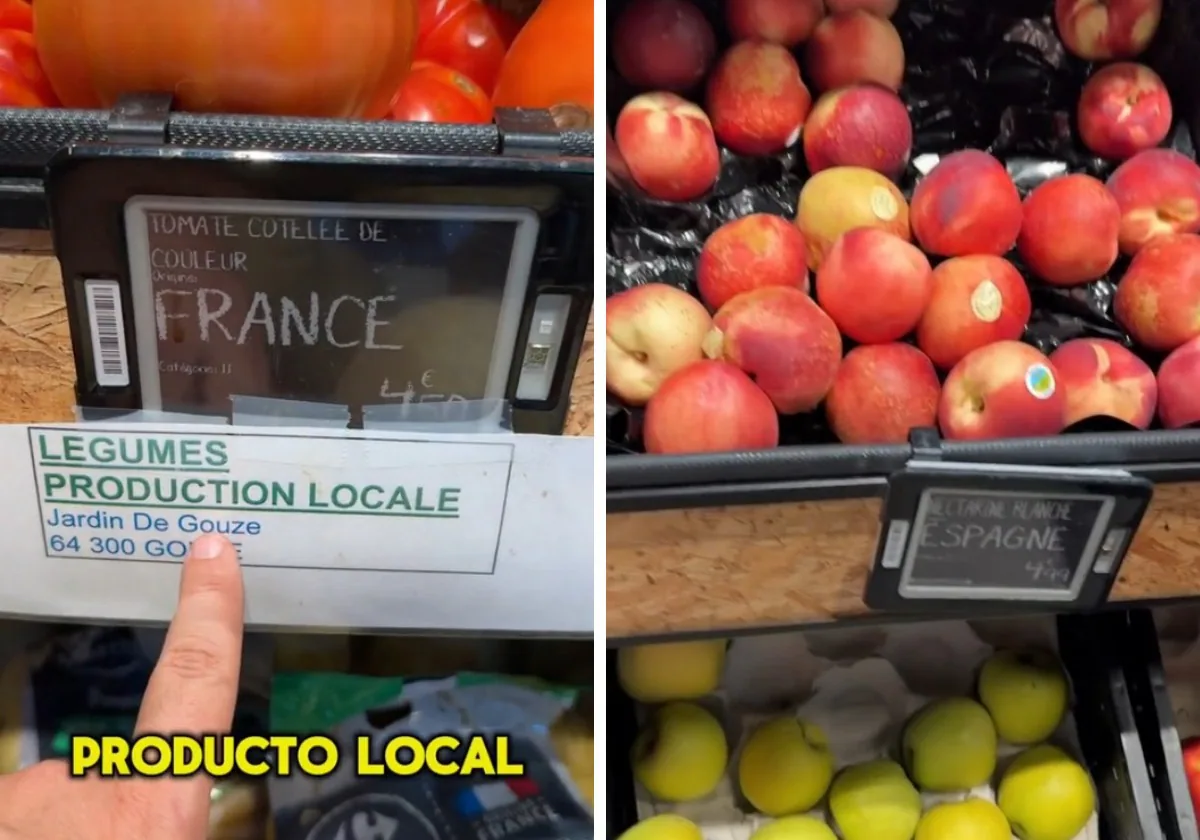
(1045, 571)
(110, 546)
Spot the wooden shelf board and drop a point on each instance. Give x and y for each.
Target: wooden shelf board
(743, 568)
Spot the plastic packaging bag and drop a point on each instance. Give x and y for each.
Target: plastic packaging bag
(549, 799)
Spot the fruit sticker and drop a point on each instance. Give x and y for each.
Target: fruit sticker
(987, 301)
(1039, 380)
(883, 204)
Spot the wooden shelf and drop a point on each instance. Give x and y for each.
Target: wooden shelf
(37, 376)
(742, 568)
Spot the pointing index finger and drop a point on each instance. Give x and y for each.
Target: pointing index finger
(194, 685)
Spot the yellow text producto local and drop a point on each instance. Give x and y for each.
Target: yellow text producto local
(150, 756)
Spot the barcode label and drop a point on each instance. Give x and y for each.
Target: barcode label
(896, 541)
(536, 356)
(107, 324)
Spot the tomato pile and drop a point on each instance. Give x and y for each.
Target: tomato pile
(23, 83)
(461, 45)
(453, 61)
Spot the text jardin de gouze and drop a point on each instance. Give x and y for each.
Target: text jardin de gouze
(285, 755)
(57, 455)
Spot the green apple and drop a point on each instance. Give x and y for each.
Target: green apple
(663, 827)
(971, 819)
(874, 801)
(785, 767)
(794, 828)
(1026, 694)
(682, 753)
(1046, 795)
(950, 745)
(671, 671)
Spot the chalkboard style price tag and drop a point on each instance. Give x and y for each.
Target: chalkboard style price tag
(955, 532)
(362, 304)
(197, 277)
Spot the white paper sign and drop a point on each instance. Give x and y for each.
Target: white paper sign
(284, 500)
(335, 528)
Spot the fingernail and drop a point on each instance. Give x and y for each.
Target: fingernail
(208, 547)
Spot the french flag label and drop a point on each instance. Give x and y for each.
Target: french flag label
(477, 801)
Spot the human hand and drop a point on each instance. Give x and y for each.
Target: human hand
(193, 690)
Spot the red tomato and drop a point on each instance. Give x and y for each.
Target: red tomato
(505, 24)
(19, 58)
(433, 93)
(467, 36)
(16, 14)
(1191, 766)
(14, 93)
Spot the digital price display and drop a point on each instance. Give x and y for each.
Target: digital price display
(955, 532)
(202, 277)
(358, 304)
(999, 543)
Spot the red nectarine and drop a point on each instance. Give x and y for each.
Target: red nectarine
(756, 99)
(1100, 378)
(881, 392)
(863, 125)
(1158, 299)
(968, 204)
(1158, 191)
(1003, 390)
(1179, 386)
(668, 146)
(749, 253)
(874, 285)
(852, 48)
(1124, 109)
(709, 406)
(783, 340)
(1069, 230)
(786, 22)
(1097, 30)
(663, 45)
(976, 301)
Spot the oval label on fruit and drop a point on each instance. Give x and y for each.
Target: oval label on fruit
(1039, 380)
(883, 204)
(986, 301)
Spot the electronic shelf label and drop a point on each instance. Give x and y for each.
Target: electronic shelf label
(955, 532)
(437, 288)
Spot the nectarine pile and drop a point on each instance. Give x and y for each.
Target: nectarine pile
(756, 101)
(928, 267)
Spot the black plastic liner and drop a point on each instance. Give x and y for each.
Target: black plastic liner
(979, 74)
(1112, 732)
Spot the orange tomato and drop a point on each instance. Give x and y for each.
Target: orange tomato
(467, 36)
(19, 59)
(16, 14)
(309, 58)
(433, 93)
(551, 60)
